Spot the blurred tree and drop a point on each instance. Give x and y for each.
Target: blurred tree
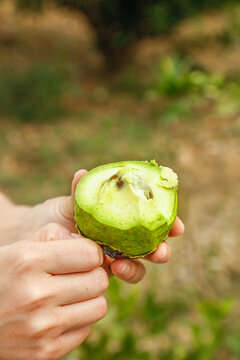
(120, 23)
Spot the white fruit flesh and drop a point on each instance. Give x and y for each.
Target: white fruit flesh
(134, 194)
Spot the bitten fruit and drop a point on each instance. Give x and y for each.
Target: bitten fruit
(127, 207)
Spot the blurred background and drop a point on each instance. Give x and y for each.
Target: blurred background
(84, 83)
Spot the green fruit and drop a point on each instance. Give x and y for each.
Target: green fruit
(127, 207)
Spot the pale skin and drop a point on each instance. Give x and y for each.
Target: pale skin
(53, 284)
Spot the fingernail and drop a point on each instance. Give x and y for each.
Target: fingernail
(163, 252)
(76, 236)
(125, 269)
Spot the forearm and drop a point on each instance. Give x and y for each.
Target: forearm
(11, 217)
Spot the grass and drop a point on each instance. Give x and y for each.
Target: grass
(182, 329)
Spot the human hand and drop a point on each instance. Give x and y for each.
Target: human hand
(57, 210)
(60, 210)
(51, 291)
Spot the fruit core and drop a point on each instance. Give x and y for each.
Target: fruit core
(136, 184)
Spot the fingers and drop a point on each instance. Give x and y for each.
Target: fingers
(161, 255)
(130, 271)
(69, 341)
(133, 271)
(177, 228)
(69, 289)
(163, 252)
(82, 313)
(71, 255)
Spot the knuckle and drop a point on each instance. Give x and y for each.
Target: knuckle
(50, 353)
(25, 259)
(95, 254)
(33, 296)
(29, 295)
(59, 347)
(57, 350)
(38, 327)
(102, 278)
(46, 352)
(34, 328)
(102, 307)
(55, 321)
(52, 230)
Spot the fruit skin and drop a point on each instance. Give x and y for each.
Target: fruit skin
(133, 243)
(91, 228)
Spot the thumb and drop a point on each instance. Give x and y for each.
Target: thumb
(65, 203)
(76, 178)
(61, 208)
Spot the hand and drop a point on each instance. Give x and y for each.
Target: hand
(60, 210)
(51, 291)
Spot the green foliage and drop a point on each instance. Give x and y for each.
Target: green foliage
(209, 333)
(233, 342)
(31, 96)
(134, 319)
(231, 34)
(116, 339)
(176, 76)
(163, 15)
(119, 24)
(175, 112)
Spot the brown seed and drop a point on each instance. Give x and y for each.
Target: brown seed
(150, 194)
(113, 177)
(120, 184)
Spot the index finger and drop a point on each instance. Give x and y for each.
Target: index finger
(60, 252)
(70, 256)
